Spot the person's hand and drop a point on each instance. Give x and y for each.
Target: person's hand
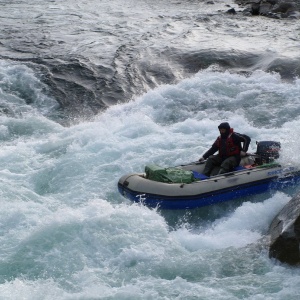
(243, 154)
(201, 159)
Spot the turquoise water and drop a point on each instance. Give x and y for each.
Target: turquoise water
(167, 73)
(65, 231)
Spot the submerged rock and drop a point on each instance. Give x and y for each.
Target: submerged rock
(285, 233)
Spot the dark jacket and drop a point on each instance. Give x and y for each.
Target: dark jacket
(241, 140)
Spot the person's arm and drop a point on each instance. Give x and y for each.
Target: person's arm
(245, 140)
(213, 149)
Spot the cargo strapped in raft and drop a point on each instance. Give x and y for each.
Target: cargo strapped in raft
(169, 175)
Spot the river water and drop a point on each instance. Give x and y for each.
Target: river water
(91, 90)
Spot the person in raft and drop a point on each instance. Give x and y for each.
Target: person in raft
(231, 146)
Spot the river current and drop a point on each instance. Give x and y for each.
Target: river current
(91, 90)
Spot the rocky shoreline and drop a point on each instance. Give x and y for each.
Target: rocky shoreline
(278, 9)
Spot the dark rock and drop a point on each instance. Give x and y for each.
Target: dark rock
(285, 233)
(231, 11)
(272, 8)
(255, 8)
(284, 7)
(265, 8)
(272, 2)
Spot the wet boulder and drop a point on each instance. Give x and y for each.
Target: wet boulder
(284, 233)
(272, 8)
(286, 9)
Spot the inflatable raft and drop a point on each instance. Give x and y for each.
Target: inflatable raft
(257, 173)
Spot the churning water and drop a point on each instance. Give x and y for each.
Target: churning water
(65, 231)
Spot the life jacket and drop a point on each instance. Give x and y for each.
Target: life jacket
(231, 147)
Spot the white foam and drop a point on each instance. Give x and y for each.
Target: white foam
(246, 225)
(63, 218)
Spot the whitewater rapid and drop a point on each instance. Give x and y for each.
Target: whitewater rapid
(66, 233)
(93, 54)
(91, 90)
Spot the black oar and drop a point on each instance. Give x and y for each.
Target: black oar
(193, 163)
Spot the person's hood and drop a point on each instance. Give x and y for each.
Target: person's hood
(224, 125)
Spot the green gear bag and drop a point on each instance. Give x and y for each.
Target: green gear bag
(168, 175)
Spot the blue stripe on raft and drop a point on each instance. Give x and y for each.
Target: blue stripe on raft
(199, 175)
(218, 196)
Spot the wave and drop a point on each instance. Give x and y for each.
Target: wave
(105, 57)
(83, 89)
